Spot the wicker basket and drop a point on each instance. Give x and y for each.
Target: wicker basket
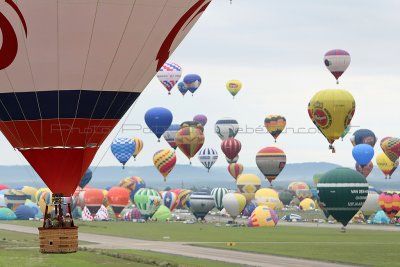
(58, 240)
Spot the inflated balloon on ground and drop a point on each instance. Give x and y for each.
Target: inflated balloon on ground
(234, 204)
(263, 217)
(248, 184)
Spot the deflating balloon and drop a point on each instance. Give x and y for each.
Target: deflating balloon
(363, 154)
(218, 194)
(386, 165)
(138, 147)
(337, 61)
(332, 111)
(169, 75)
(226, 128)
(208, 156)
(200, 119)
(366, 170)
(182, 88)
(74, 69)
(235, 169)
(189, 141)
(231, 147)
(234, 204)
(248, 184)
(342, 193)
(164, 160)
(86, 178)
(275, 124)
(170, 135)
(391, 147)
(233, 87)
(133, 184)
(192, 82)
(263, 217)
(158, 120)
(271, 161)
(363, 136)
(123, 148)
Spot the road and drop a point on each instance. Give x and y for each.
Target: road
(184, 249)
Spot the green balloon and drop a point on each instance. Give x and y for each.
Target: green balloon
(162, 214)
(286, 197)
(317, 177)
(147, 201)
(345, 132)
(342, 192)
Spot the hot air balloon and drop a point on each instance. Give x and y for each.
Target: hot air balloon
(363, 136)
(118, 199)
(271, 161)
(275, 124)
(226, 128)
(232, 161)
(263, 217)
(371, 204)
(248, 184)
(24, 212)
(389, 202)
(342, 193)
(93, 199)
(249, 208)
(2, 187)
(147, 201)
(208, 156)
(286, 197)
(189, 141)
(386, 165)
(231, 148)
(331, 111)
(170, 200)
(132, 214)
(7, 214)
(138, 147)
(202, 119)
(123, 149)
(15, 198)
(363, 154)
(170, 135)
(164, 160)
(235, 169)
(267, 197)
(86, 178)
(233, 87)
(182, 88)
(345, 132)
(366, 170)
(169, 74)
(133, 184)
(302, 194)
(194, 124)
(30, 191)
(200, 204)
(317, 177)
(162, 214)
(234, 204)
(158, 120)
(307, 204)
(218, 194)
(391, 147)
(337, 61)
(294, 186)
(192, 82)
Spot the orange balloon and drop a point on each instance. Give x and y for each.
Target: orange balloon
(118, 199)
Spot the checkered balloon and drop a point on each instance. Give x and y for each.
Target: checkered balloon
(123, 149)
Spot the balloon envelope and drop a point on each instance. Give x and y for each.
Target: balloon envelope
(158, 120)
(275, 124)
(170, 135)
(218, 194)
(133, 184)
(169, 74)
(118, 199)
(86, 178)
(271, 161)
(226, 128)
(192, 82)
(363, 136)
(337, 61)
(263, 217)
(201, 204)
(123, 148)
(207, 157)
(233, 87)
(234, 204)
(363, 154)
(200, 119)
(164, 160)
(248, 184)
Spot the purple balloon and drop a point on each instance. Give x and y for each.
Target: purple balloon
(200, 119)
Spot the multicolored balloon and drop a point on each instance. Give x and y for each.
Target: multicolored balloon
(182, 88)
(164, 160)
(158, 120)
(233, 87)
(366, 170)
(363, 154)
(138, 147)
(123, 148)
(337, 61)
(248, 184)
(271, 161)
(192, 82)
(391, 147)
(170, 135)
(193, 124)
(234, 204)
(147, 201)
(390, 203)
(226, 128)
(263, 216)
(331, 111)
(207, 157)
(235, 169)
(249, 208)
(169, 75)
(232, 161)
(218, 194)
(267, 197)
(170, 200)
(363, 136)
(189, 141)
(386, 165)
(133, 184)
(231, 147)
(345, 132)
(200, 118)
(275, 124)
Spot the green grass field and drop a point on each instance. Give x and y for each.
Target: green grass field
(366, 247)
(19, 249)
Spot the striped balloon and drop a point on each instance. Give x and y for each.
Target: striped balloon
(235, 169)
(337, 61)
(226, 128)
(15, 198)
(271, 161)
(208, 156)
(231, 147)
(390, 203)
(169, 75)
(164, 160)
(133, 184)
(138, 147)
(170, 135)
(275, 124)
(123, 149)
(147, 201)
(189, 140)
(132, 214)
(170, 200)
(219, 194)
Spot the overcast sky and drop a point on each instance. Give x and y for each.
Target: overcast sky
(276, 49)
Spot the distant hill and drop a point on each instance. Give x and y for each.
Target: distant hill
(191, 176)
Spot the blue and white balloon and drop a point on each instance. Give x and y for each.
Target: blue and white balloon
(123, 149)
